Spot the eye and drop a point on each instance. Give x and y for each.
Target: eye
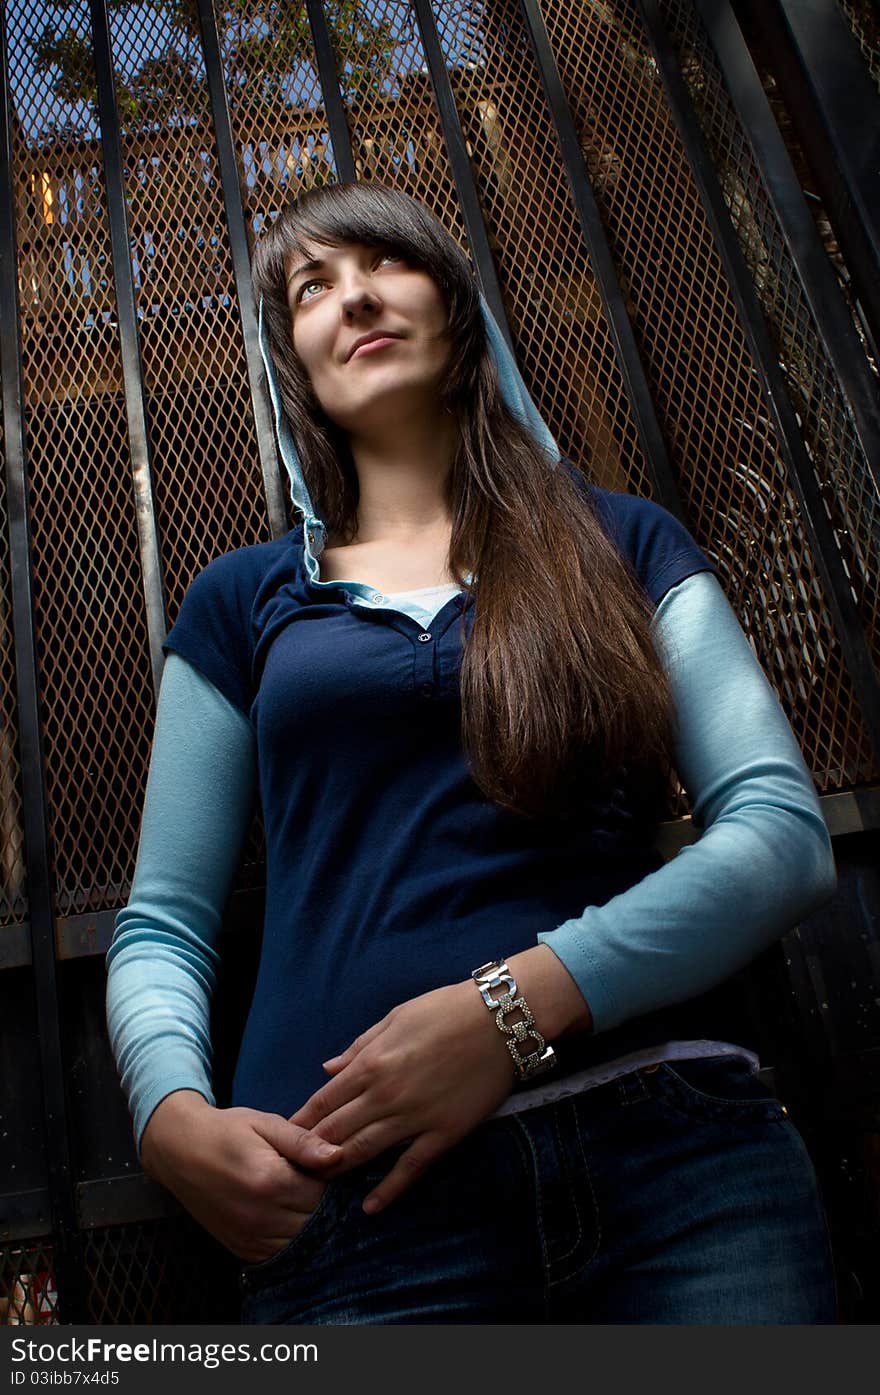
(387, 254)
(304, 287)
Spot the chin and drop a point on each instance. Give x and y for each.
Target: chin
(394, 400)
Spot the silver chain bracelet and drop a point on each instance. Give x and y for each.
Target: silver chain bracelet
(496, 975)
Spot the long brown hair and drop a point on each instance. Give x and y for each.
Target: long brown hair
(559, 675)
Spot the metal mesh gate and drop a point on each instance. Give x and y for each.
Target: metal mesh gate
(606, 166)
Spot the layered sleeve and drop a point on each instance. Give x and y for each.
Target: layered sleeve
(764, 859)
(162, 963)
(214, 628)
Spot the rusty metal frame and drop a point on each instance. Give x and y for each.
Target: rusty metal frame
(462, 173)
(241, 269)
(836, 107)
(821, 287)
(829, 565)
(58, 1159)
(340, 136)
(129, 342)
(624, 340)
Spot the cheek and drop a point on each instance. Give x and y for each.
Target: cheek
(441, 330)
(299, 338)
(427, 303)
(308, 350)
(440, 314)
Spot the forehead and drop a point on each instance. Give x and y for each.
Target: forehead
(308, 255)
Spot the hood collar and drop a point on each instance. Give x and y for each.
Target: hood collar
(513, 389)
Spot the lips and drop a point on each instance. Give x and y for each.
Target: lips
(377, 337)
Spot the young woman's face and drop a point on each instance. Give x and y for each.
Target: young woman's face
(357, 291)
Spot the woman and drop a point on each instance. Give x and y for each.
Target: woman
(461, 1096)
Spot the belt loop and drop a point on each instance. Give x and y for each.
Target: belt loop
(632, 1088)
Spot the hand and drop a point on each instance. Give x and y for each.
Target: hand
(430, 1071)
(244, 1175)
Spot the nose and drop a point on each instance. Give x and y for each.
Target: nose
(358, 293)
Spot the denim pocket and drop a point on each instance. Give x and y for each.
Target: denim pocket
(715, 1087)
(309, 1238)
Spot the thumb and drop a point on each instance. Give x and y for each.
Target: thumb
(300, 1146)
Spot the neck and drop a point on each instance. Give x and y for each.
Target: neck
(403, 475)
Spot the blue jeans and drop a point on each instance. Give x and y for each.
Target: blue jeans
(676, 1194)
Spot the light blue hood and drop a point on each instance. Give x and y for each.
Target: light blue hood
(513, 389)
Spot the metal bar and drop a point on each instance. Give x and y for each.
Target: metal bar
(15, 945)
(81, 936)
(101, 1201)
(59, 1165)
(803, 481)
(462, 172)
(641, 402)
(340, 137)
(25, 1217)
(836, 108)
(132, 373)
(850, 811)
(821, 287)
(86, 936)
(241, 270)
(121, 1200)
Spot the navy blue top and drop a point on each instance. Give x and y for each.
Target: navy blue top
(388, 871)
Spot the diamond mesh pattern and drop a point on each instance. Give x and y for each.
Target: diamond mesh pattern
(555, 311)
(165, 1271)
(28, 1295)
(275, 105)
(393, 122)
(863, 18)
(849, 494)
(764, 59)
(276, 111)
(207, 481)
(93, 653)
(13, 872)
(731, 474)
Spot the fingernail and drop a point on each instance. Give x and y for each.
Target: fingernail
(372, 1204)
(326, 1150)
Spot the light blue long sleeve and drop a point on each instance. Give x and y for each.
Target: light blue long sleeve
(763, 861)
(163, 960)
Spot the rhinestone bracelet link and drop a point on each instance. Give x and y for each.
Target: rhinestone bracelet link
(495, 976)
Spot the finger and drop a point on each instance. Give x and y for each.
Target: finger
(338, 1063)
(408, 1168)
(364, 1112)
(368, 1143)
(295, 1143)
(276, 1234)
(281, 1212)
(301, 1193)
(335, 1063)
(345, 1086)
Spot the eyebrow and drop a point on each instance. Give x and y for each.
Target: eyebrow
(319, 263)
(306, 266)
